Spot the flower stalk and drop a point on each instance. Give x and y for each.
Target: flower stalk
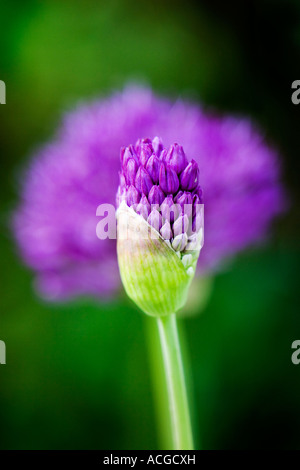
(177, 397)
(160, 235)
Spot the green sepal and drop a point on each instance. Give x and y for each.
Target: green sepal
(153, 275)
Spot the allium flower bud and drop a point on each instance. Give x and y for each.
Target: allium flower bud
(143, 208)
(181, 225)
(176, 158)
(169, 209)
(185, 200)
(166, 231)
(152, 166)
(143, 181)
(126, 155)
(180, 241)
(131, 169)
(189, 176)
(145, 153)
(122, 180)
(168, 179)
(155, 219)
(132, 196)
(157, 146)
(157, 248)
(156, 195)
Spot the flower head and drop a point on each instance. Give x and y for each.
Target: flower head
(157, 251)
(162, 186)
(55, 222)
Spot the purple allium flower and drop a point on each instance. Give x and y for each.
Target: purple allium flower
(168, 168)
(56, 219)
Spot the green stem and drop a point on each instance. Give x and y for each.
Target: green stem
(175, 382)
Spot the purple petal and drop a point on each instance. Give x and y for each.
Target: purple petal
(168, 179)
(169, 210)
(176, 158)
(131, 170)
(143, 207)
(126, 157)
(178, 195)
(156, 196)
(122, 180)
(155, 219)
(157, 146)
(143, 181)
(189, 176)
(198, 191)
(163, 155)
(145, 153)
(185, 201)
(152, 166)
(132, 196)
(122, 151)
(141, 142)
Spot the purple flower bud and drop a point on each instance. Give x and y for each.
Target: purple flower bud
(143, 181)
(166, 231)
(163, 155)
(157, 146)
(178, 195)
(155, 219)
(196, 204)
(150, 184)
(185, 201)
(145, 153)
(198, 191)
(132, 196)
(126, 157)
(152, 166)
(132, 150)
(122, 180)
(169, 210)
(121, 195)
(168, 179)
(196, 223)
(181, 225)
(196, 215)
(189, 176)
(140, 142)
(122, 151)
(131, 170)
(156, 196)
(176, 158)
(143, 207)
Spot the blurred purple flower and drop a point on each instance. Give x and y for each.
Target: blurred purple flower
(55, 223)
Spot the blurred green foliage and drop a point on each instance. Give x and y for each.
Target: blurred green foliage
(77, 375)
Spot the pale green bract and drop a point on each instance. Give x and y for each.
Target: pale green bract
(155, 277)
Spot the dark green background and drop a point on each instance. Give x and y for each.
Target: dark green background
(77, 374)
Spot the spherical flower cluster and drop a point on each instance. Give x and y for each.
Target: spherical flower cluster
(55, 222)
(163, 187)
